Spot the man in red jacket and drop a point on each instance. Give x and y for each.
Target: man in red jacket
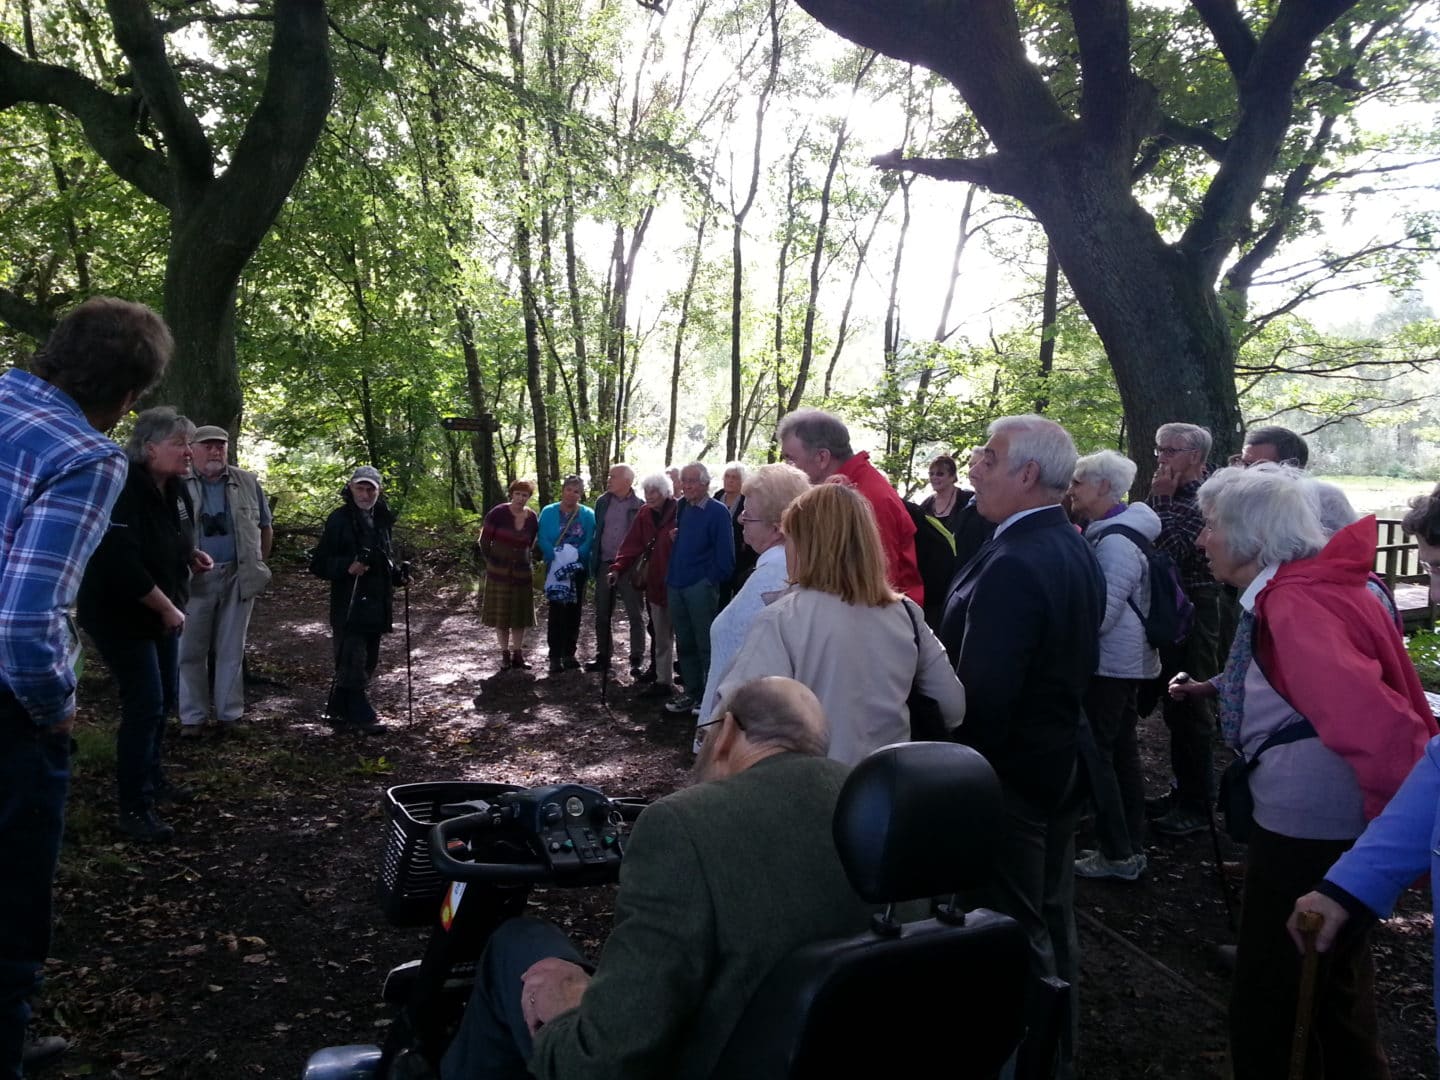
(818, 444)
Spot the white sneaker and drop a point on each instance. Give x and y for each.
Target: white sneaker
(1096, 865)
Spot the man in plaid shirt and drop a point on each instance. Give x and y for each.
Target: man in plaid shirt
(1181, 451)
(59, 478)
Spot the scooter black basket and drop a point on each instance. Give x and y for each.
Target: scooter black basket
(409, 888)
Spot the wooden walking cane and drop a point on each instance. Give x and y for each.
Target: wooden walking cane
(1309, 924)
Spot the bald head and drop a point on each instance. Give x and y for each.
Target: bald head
(761, 718)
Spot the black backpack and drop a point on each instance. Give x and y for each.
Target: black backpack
(935, 558)
(1171, 612)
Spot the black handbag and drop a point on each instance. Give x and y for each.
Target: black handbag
(926, 723)
(1234, 799)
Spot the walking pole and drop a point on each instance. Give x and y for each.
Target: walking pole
(335, 675)
(409, 680)
(1309, 924)
(1220, 866)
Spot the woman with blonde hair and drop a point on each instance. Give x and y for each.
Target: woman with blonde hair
(843, 632)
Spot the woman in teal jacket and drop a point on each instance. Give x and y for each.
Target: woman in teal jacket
(566, 532)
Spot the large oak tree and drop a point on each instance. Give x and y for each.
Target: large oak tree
(221, 199)
(1078, 110)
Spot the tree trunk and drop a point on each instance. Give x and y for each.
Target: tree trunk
(1048, 304)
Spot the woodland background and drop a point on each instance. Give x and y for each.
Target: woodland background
(636, 230)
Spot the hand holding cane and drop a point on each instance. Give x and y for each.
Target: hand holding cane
(1308, 923)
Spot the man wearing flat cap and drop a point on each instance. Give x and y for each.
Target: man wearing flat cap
(233, 527)
(355, 556)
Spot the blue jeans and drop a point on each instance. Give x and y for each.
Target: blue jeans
(34, 777)
(494, 1042)
(147, 672)
(692, 610)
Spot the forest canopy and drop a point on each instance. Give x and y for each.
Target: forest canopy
(645, 231)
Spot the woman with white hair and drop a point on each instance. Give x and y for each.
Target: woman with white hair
(732, 495)
(1321, 701)
(1111, 753)
(132, 603)
(768, 491)
(645, 554)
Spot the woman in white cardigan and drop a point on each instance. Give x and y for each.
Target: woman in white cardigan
(767, 490)
(1110, 753)
(843, 632)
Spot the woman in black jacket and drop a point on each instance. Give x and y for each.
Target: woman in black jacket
(354, 555)
(132, 603)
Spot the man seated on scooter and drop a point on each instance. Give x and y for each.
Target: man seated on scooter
(721, 880)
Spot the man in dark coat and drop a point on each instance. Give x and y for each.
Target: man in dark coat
(694, 934)
(354, 555)
(1022, 623)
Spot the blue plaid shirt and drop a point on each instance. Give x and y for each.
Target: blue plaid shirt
(59, 479)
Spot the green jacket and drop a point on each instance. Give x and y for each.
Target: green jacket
(720, 881)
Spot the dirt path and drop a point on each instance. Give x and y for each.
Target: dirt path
(254, 938)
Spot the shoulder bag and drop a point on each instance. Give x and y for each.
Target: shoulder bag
(1234, 799)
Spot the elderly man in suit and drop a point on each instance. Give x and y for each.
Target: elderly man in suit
(1022, 622)
(694, 936)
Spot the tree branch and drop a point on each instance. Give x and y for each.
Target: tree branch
(1193, 135)
(980, 171)
(1111, 97)
(26, 316)
(108, 119)
(186, 143)
(1233, 38)
(1266, 90)
(975, 45)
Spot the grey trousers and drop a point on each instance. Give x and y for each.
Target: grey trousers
(1034, 884)
(605, 609)
(215, 617)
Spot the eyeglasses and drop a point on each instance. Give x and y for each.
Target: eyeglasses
(1171, 451)
(214, 524)
(700, 728)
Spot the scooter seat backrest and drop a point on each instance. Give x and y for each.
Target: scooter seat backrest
(918, 820)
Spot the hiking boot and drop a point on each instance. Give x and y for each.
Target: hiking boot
(1159, 807)
(637, 672)
(555, 664)
(173, 793)
(41, 1048)
(1181, 821)
(1094, 864)
(144, 825)
(598, 664)
(646, 676)
(682, 704)
(517, 660)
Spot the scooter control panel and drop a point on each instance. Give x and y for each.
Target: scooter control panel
(576, 828)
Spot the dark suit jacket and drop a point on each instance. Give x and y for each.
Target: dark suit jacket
(720, 881)
(1022, 624)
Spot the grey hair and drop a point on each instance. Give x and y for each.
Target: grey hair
(658, 482)
(1194, 436)
(735, 466)
(1289, 447)
(155, 426)
(817, 430)
(769, 489)
(771, 715)
(1034, 438)
(1114, 468)
(1267, 513)
(704, 472)
(628, 470)
(1333, 507)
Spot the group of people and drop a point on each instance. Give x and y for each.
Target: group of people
(1044, 656)
(796, 666)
